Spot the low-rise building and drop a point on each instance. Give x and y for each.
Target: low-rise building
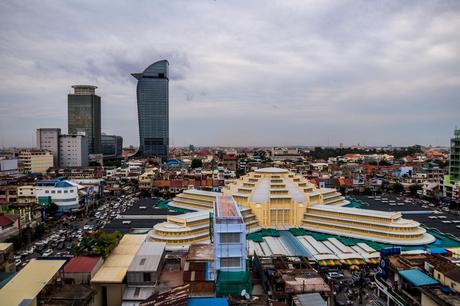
(8, 194)
(444, 271)
(35, 161)
(8, 166)
(8, 227)
(109, 281)
(81, 269)
(6, 257)
(62, 193)
(146, 266)
(26, 195)
(25, 287)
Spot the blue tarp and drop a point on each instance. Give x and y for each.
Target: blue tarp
(417, 278)
(207, 301)
(438, 251)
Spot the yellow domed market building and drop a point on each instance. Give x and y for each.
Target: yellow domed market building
(280, 199)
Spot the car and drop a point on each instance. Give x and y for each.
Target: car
(17, 262)
(87, 227)
(334, 275)
(47, 253)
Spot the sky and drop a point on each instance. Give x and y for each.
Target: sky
(242, 73)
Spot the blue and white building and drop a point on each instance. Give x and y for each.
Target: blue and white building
(229, 235)
(64, 194)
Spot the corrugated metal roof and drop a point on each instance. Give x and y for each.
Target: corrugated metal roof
(114, 268)
(148, 257)
(417, 278)
(311, 299)
(207, 301)
(29, 281)
(81, 264)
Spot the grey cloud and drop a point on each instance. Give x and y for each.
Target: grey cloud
(241, 72)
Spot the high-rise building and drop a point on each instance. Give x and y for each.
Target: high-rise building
(84, 115)
(451, 182)
(454, 165)
(112, 146)
(153, 109)
(73, 151)
(48, 139)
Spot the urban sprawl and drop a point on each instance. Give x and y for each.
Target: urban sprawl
(87, 221)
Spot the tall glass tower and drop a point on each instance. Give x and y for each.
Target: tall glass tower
(84, 115)
(153, 109)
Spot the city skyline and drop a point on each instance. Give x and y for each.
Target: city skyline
(284, 74)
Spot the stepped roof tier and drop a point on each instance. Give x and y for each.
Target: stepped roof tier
(278, 198)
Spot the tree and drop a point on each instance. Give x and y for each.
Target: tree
(99, 243)
(196, 163)
(413, 189)
(51, 208)
(397, 187)
(94, 163)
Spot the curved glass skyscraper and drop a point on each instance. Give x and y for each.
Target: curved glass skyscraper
(153, 109)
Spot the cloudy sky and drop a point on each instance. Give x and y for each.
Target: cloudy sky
(242, 72)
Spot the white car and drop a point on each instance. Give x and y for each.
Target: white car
(47, 253)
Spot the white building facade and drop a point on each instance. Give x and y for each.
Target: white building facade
(73, 151)
(63, 193)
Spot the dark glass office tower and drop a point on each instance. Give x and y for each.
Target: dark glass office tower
(153, 109)
(84, 115)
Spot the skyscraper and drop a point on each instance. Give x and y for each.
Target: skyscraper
(153, 109)
(84, 115)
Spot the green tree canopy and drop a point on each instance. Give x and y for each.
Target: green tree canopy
(99, 243)
(196, 163)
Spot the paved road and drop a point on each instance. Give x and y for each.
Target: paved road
(70, 230)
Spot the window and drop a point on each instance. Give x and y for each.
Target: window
(147, 277)
(66, 191)
(230, 262)
(47, 191)
(53, 191)
(230, 237)
(59, 191)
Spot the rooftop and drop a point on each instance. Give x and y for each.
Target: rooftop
(148, 257)
(200, 252)
(358, 211)
(417, 278)
(81, 264)
(4, 246)
(226, 208)
(271, 170)
(29, 281)
(115, 267)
